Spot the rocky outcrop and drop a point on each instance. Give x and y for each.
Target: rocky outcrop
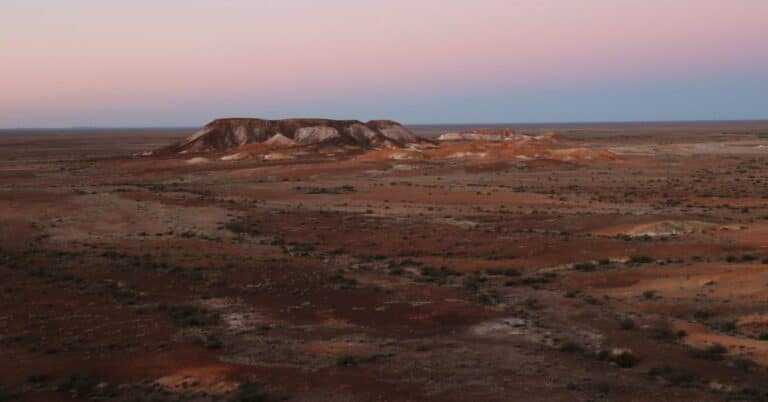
(231, 134)
(470, 137)
(393, 131)
(502, 135)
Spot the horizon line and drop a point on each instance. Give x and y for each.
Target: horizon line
(523, 123)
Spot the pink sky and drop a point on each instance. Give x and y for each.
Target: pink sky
(64, 62)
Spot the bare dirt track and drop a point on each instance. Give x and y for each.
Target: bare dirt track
(638, 273)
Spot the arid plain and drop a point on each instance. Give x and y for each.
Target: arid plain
(621, 262)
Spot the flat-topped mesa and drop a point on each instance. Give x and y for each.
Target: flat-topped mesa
(233, 133)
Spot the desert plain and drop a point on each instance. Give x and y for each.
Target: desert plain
(606, 262)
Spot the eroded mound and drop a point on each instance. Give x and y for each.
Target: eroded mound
(235, 133)
(496, 135)
(492, 148)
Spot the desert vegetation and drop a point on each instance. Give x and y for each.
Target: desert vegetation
(583, 265)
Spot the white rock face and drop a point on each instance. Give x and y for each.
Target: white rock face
(198, 161)
(314, 135)
(467, 155)
(241, 135)
(234, 157)
(361, 133)
(276, 156)
(281, 140)
(401, 156)
(399, 133)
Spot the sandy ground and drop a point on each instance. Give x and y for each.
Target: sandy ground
(623, 265)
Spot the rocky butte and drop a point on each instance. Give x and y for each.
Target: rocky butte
(234, 133)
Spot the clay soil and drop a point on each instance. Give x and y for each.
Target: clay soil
(642, 276)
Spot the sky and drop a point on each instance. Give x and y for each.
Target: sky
(185, 62)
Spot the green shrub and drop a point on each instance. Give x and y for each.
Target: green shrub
(213, 343)
(674, 376)
(396, 271)
(627, 324)
(531, 303)
(625, 360)
(748, 394)
(189, 316)
(80, 385)
(502, 272)
(589, 299)
(639, 259)
(241, 228)
(571, 348)
(38, 378)
(713, 352)
(353, 361)
(702, 315)
(744, 364)
(489, 298)
(748, 257)
(584, 266)
(649, 294)
(440, 276)
(728, 326)
(664, 333)
(250, 392)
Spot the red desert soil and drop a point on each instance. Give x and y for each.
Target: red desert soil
(622, 263)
